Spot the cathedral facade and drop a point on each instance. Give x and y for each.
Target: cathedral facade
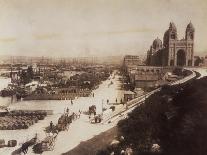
(173, 52)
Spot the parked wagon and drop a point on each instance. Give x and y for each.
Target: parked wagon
(20, 119)
(12, 143)
(2, 143)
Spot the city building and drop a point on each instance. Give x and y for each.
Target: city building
(131, 60)
(145, 76)
(173, 52)
(204, 61)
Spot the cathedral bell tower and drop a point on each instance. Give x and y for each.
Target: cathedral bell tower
(189, 37)
(172, 32)
(170, 38)
(189, 33)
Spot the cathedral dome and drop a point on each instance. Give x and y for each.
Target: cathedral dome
(190, 26)
(157, 43)
(172, 26)
(166, 38)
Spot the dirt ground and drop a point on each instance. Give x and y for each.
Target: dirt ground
(91, 146)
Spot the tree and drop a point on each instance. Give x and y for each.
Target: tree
(27, 76)
(30, 73)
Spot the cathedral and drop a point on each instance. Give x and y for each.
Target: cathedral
(173, 52)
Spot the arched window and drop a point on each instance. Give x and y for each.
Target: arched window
(191, 35)
(181, 58)
(171, 62)
(189, 62)
(173, 36)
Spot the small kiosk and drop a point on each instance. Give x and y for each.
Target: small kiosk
(128, 95)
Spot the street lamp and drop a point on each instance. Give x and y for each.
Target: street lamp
(145, 87)
(102, 106)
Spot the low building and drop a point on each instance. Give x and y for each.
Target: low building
(145, 79)
(205, 61)
(128, 95)
(32, 86)
(131, 61)
(147, 76)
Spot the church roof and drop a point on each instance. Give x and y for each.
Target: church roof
(190, 26)
(157, 43)
(172, 26)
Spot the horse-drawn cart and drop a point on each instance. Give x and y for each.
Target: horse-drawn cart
(64, 122)
(51, 133)
(96, 119)
(47, 144)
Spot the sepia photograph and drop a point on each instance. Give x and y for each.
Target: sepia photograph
(103, 77)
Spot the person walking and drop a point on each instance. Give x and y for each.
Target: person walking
(121, 101)
(51, 126)
(67, 111)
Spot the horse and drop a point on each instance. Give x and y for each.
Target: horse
(70, 119)
(79, 114)
(45, 145)
(92, 110)
(25, 147)
(53, 130)
(27, 144)
(74, 116)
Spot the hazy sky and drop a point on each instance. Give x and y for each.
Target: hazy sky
(95, 27)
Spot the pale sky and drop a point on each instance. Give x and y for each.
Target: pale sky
(95, 27)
